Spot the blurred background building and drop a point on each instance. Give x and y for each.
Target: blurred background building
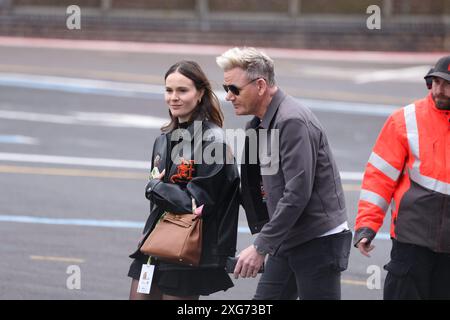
(406, 25)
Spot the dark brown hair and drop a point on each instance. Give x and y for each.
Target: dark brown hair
(209, 107)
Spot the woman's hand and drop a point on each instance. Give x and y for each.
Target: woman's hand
(151, 184)
(161, 175)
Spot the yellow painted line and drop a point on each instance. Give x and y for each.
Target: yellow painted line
(351, 187)
(73, 172)
(101, 174)
(354, 282)
(57, 259)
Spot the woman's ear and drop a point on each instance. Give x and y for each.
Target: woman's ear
(200, 96)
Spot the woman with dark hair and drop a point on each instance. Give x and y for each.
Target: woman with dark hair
(183, 173)
(206, 105)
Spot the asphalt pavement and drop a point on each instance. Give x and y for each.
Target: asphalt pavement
(77, 125)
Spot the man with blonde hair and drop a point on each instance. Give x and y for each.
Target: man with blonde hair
(299, 209)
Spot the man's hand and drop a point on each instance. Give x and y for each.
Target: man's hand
(365, 247)
(249, 263)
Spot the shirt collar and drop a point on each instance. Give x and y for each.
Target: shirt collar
(272, 109)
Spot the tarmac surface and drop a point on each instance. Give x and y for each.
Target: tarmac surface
(77, 126)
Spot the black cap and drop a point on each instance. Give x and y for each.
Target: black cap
(441, 69)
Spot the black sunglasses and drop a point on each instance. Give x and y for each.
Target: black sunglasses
(235, 90)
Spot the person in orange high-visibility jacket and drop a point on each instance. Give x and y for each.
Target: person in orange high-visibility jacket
(409, 169)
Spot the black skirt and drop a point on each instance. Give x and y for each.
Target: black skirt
(190, 282)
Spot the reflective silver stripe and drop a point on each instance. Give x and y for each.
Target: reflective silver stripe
(412, 131)
(429, 183)
(384, 166)
(374, 198)
(413, 141)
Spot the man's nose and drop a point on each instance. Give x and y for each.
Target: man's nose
(229, 96)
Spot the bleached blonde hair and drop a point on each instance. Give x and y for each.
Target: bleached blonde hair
(255, 63)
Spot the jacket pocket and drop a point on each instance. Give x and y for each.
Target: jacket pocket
(398, 268)
(402, 258)
(341, 249)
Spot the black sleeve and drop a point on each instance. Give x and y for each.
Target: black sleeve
(363, 233)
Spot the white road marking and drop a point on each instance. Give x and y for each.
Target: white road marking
(73, 222)
(147, 91)
(329, 72)
(18, 139)
(361, 76)
(412, 74)
(93, 162)
(360, 108)
(78, 85)
(352, 176)
(57, 259)
(114, 163)
(89, 119)
(121, 120)
(108, 223)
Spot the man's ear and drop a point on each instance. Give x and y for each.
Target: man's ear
(262, 86)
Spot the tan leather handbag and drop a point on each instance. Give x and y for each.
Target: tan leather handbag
(176, 238)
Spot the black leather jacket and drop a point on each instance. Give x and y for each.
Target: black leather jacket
(216, 186)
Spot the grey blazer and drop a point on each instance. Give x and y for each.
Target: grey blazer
(303, 196)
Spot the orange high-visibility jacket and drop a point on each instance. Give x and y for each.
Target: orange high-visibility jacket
(409, 169)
